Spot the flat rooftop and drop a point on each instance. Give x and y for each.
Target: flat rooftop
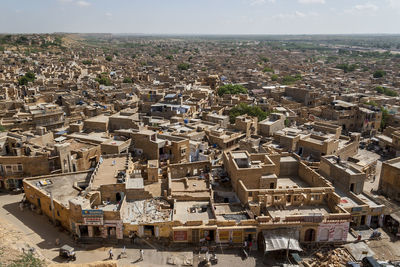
(288, 159)
(188, 185)
(94, 137)
(192, 211)
(345, 200)
(60, 186)
(239, 155)
(100, 118)
(291, 182)
(146, 211)
(367, 200)
(298, 210)
(108, 169)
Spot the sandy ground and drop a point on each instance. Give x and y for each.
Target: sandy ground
(26, 228)
(387, 248)
(374, 184)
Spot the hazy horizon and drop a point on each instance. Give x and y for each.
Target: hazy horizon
(207, 17)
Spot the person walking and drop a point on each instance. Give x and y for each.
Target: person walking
(250, 244)
(110, 254)
(141, 254)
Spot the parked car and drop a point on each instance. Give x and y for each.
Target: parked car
(67, 252)
(352, 264)
(370, 262)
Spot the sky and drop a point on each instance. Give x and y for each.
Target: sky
(201, 16)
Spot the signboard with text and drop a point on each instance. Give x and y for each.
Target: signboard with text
(180, 235)
(92, 217)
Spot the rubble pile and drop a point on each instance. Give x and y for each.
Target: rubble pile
(334, 258)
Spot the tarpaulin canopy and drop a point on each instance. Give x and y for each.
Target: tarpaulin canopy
(281, 239)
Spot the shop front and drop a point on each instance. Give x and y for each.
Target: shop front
(94, 225)
(236, 235)
(113, 229)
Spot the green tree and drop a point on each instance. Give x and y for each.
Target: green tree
(87, 62)
(243, 108)
(268, 69)
(23, 81)
(109, 58)
(379, 74)
(127, 80)
(274, 77)
(183, 66)
(380, 89)
(28, 77)
(169, 57)
(385, 117)
(386, 91)
(291, 79)
(346, 67)
(31, 76)
(232, 89)
(104, 80)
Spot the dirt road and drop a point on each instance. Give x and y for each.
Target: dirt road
(38, 232)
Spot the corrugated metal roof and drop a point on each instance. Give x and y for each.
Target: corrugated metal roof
(281, 239)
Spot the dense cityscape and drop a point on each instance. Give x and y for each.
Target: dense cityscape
(155, 150)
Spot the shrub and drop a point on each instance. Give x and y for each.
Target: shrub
(232, 89)
(243, 108)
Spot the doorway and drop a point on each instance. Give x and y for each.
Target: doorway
(149, 230)
(83, 230)
(352, 188)
(309, 235)
(362, 220)
(118, 196)
(96, 231)
(195, 236)
(111, 232)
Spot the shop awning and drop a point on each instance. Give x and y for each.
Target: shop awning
(396, 216)
(281, 239)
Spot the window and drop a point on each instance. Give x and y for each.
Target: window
(183, 152)
(315, 197)
(8, 169)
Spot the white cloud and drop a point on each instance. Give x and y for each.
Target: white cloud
(367, 6)
(299, 14)
(294, 15)
(260, 2)
(80, 3)
(311, 1)
(362, 8)
(83, 3)
(394, 3)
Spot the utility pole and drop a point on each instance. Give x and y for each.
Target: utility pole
(287, 250)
